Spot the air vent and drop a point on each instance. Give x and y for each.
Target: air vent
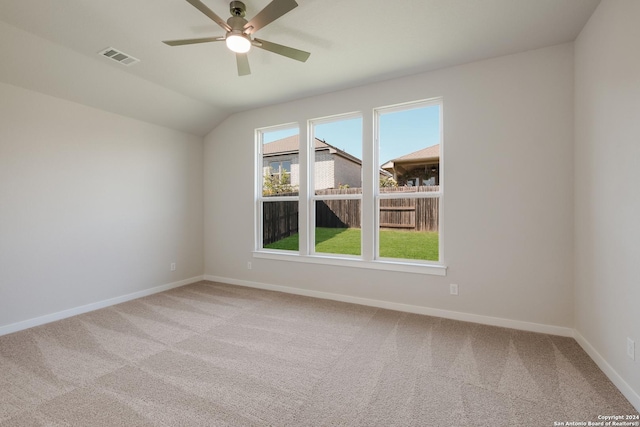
(119, 56)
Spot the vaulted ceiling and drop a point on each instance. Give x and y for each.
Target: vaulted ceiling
(51, 46)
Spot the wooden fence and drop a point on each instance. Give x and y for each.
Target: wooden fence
(338, 213)
(280, 219)
(410, 214)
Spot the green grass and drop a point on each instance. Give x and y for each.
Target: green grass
(346, 241)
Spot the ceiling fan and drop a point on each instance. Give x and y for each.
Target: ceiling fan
(239, 31)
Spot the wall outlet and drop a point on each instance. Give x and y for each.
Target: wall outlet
(453, 289)
(173, 266)
(249, 265)
(631, 349)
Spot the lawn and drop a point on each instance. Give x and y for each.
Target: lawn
(393, 244)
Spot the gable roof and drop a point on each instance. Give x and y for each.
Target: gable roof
(429, 154)
(291, 145)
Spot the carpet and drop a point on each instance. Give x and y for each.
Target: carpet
(212, 354)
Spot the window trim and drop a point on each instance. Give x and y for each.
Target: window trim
(386, 264)
(378, 195)
(367, 260)
(259, 198)
(313, 198)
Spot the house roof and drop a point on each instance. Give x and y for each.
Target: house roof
(291, 144)
(428, 154)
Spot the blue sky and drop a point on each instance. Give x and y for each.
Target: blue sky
(401, 132)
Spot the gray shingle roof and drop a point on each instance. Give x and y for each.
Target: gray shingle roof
(429, 153)
(288, 144)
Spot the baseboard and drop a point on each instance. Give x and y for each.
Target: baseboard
(455, 315)
(628, 392)
(30, 323)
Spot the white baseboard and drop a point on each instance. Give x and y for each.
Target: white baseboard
(48, 318)
(455, 315)
(608, 370)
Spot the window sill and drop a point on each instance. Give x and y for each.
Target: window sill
(388, 265)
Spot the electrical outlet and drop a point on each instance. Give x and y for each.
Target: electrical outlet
(173, 266)
(631, 349)
(453, 289)
(249, 265)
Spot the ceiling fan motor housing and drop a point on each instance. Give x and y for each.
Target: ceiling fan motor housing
(237, 24)
(237, 21)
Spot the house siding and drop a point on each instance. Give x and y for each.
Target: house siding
(324, 170)
(347, 173)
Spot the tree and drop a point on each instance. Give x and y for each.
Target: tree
(277, 183)
(388, 181)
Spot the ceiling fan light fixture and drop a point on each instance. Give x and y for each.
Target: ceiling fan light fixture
(238, 43)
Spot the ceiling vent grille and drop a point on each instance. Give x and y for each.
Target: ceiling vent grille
(121, 57)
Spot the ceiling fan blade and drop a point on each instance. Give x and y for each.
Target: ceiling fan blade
(193, 41)
(270, 13)
(215, 18)
(243, 64)
(289, 52)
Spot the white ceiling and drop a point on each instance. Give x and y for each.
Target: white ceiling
(51, 46)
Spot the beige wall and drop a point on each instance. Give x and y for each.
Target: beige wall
(93, 205)
(347, 172)
(607, 195)
(508, 204)
(330, 170)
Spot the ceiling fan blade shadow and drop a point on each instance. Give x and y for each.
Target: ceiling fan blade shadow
(215, 18)
(243, 64)
(270, 13)
(193, 41)
(289, 52)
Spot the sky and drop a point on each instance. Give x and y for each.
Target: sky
(401, 132)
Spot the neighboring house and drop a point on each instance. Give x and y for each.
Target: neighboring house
(421, 167)
(333, 167)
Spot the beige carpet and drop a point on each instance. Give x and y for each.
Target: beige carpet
(210, 354)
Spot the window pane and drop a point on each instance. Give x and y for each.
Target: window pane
(409, 228)
(338, 154)
(280, 162)
(280, 225)
(338, 227)
(409, 148)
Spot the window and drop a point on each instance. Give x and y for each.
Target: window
(348, 196)
(280, 171)
(337, 196)
(408, 208)
(278, 193)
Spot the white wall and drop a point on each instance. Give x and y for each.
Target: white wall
(607, 195)
(508, 169)
(92, 205)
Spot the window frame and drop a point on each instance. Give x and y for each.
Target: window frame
(378, 195)
(370, 197)
(259, 197)
(313, 198)
(281, 169)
